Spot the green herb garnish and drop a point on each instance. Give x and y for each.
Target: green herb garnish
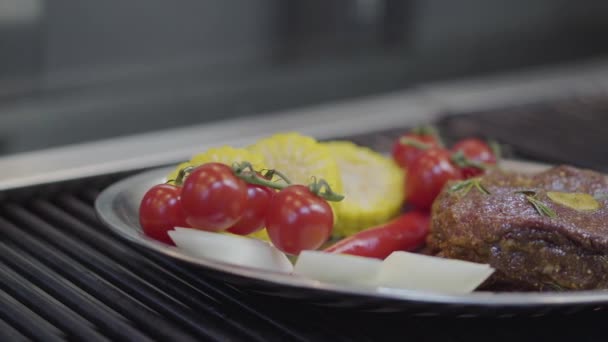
(526, 192)
(540, 207)
(554, 286)
(467, 185)
(463, 161)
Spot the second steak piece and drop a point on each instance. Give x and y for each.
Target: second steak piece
(530, 249)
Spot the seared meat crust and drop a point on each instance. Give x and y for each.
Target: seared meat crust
(530, 251)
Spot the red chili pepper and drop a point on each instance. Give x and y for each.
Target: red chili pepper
(405, 233)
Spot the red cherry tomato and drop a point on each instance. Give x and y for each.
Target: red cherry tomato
(405, 233)
(476, 150)
(298, 220)
(427, 176)
(258, 202)
(213, 197)
(161, 210)
(404, 154)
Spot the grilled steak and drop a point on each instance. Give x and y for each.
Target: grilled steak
(514, 230)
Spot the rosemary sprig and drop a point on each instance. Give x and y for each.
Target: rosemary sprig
(540, 207)
(554, 286)
(467, 185)
(526, 192)
(460, 185)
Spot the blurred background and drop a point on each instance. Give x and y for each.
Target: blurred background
(74, 71)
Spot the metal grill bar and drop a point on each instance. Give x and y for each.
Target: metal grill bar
(108, 320)
(26, 320)
(63, 275)
(162, 279)
(8, 333)
(139, 314)
(226, 295)
(51, 309)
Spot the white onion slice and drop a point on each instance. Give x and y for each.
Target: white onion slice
(427, 273)
(233, 249)
(337, 268)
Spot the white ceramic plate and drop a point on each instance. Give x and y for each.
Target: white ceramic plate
(117, 206)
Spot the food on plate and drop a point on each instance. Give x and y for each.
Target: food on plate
(224, 155)
(160, 210)
(177, 172)
(228, 155)
(411, 144)
(546, 231)
(261, 234)
(474, 156)
(405, 233)
(233, 249)
(297, 194)
(299, 216)
(213, 197)
(372, 187)
(427, 273)
(254, 216)
(429, 164)
(258, 197)
(298, 220)
(427, 175)
(238, 198)
(400, 270)
(299, 158)
(337, 268)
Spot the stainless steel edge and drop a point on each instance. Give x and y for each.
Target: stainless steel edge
(174, 145)
(407, 107)
(523, 86)
(115, 207)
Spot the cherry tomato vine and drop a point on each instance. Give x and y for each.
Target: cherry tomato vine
(242, 200)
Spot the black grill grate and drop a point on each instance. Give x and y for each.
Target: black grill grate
(63, 275)
(67, 276)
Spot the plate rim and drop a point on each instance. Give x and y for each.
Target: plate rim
(112, 221)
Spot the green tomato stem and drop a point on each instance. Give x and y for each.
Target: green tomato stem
(461, 160)
(245, 171)
(269, 174)
(414, 143)
(181, 175)
(429, 130)
(496, 149)
(322, 189)
(425, 130)
(254, 178)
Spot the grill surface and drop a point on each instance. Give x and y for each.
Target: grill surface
(63, 275)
